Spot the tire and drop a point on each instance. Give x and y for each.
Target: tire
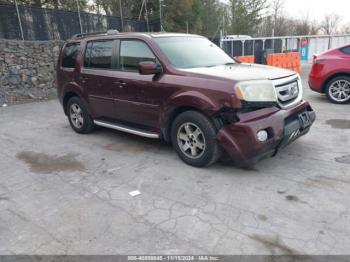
(77, 112)
(338, 90)
(193, 138)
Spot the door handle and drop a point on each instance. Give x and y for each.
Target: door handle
(83, 79)
(120, 83)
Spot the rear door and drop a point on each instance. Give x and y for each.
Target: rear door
(97, 76)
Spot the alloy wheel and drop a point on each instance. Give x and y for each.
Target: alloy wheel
(191, 140)
(339, 90)
(76, 116)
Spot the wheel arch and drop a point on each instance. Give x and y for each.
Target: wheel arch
(166, 130)
(66, 98)
(331, 77)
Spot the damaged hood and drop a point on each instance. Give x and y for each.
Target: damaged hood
(242, 72)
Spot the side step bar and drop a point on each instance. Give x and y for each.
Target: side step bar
(127, 129)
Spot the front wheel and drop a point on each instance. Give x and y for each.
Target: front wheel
(193, 138)
(78, 116)
(338, 90)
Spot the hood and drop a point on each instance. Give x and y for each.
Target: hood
(242, 72)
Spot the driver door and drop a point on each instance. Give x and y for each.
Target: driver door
(140, 96)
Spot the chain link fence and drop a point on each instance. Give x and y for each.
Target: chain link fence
(51, 24)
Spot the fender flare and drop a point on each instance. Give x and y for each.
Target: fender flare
(73, 87)
(189, 100)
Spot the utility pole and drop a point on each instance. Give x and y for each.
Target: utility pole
(146, 15)
(223, 24)
(19, 20)
(160, 15)
(143, 2)
(121, 15)
(81, 28)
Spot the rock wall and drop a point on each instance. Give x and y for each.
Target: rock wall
(27, 70)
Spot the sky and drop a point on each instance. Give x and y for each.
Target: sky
(316, 9)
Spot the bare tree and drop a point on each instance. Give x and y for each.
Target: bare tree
(277, 8)
(345, 29)
(330, 23)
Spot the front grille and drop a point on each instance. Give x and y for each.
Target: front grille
(288, 91)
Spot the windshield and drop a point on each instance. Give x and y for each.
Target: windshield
(190, 52)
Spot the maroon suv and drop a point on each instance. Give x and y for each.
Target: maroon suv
(182, 89)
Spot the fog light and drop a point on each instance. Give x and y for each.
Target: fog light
(262, 135)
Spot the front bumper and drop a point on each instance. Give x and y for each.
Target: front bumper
(283, 126)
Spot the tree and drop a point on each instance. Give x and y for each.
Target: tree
(345, 29)
(277, 8)
(180, 13)
(330, 23)
(55, 4)
(246, 15)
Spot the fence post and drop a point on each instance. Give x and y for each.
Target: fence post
(19, 20)
(81, 28)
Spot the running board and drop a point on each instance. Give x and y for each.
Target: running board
(127, 129)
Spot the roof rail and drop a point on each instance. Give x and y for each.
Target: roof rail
(108, 32)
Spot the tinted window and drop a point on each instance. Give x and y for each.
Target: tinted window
(134, 52)
(346, 50)
(70, 54)
(98, 54)
(87, 54)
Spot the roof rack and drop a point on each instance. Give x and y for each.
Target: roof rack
(108, 32)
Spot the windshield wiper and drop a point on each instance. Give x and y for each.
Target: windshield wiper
(230, 63)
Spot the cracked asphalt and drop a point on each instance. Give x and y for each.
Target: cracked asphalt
(64, 193)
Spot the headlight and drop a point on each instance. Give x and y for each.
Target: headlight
(256, 91)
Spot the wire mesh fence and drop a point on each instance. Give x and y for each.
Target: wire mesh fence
(51, 24)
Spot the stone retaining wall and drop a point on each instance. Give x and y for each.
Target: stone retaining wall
(27, 70)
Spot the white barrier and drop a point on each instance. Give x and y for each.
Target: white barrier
(307, 45)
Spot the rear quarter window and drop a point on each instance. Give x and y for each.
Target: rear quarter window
(346, 50)
(70, 53)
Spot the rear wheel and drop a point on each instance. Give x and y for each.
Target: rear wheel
(338, 90)
(78, 116)
(193, 138)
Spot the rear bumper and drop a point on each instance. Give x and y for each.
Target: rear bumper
(283, 126)
(316, 84)
(316, 78)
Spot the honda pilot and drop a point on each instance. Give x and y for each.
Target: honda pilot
(183, 89)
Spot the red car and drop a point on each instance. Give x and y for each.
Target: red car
(330, 74)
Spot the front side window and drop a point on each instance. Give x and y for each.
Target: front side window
(190, 52)
(98, 54)
(132, 52)
(70, 53)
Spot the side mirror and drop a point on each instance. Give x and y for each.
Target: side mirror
(149, 68)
